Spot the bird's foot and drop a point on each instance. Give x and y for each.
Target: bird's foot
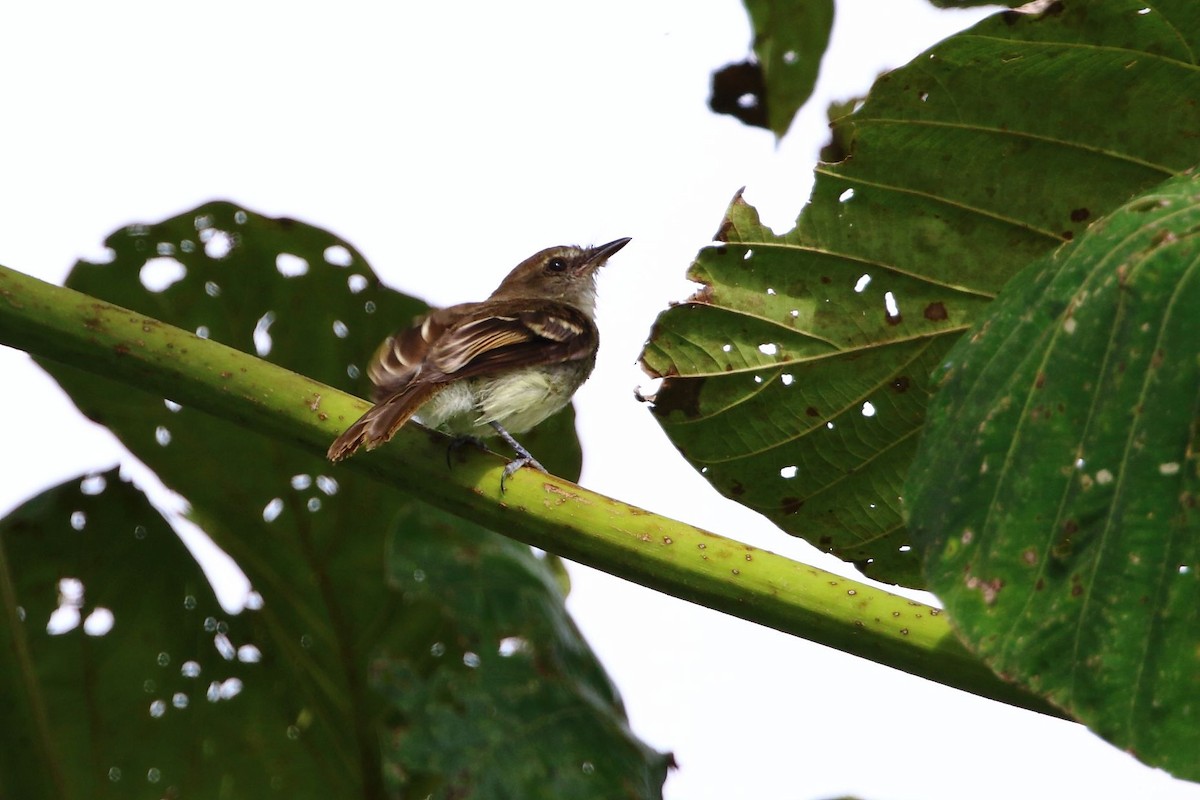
(523, 457)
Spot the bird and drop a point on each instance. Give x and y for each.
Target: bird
(495, 367)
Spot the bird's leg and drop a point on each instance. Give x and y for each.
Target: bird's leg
(523, 456)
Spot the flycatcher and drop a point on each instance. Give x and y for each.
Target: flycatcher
(493, 368)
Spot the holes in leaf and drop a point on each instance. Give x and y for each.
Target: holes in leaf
(272, 510)
(262, 334)
(892, 308)
(158, 274)
(99, 622)
(338, 256)
(511, 645)
(217, 243)
(93, 485)
(290, 266)
(70, 600)
(225, 647)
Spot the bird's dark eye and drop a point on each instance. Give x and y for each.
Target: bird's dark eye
(556, 264)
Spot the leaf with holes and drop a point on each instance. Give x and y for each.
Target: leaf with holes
(312, 538)
(1056, 492)
(503, 660)
(796, 380)
(120, 675)
(790, 37)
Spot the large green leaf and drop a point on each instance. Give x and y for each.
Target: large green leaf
(312, 538)
(494, 676)
(157, 703)
(796, 380)
(1057, 486)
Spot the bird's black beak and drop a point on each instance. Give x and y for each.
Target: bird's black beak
(598, 255)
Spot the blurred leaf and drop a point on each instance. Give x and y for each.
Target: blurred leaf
(740, 90)
(790, 37)
(492, 677)
(1057, 487)
(311, 537)
(797, 379)
(159, 704)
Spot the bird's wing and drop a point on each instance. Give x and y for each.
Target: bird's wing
(397, 361)
(497, 336)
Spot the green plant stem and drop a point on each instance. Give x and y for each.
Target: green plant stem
(538, 509)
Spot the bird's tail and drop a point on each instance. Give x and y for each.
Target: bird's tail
(381, 422)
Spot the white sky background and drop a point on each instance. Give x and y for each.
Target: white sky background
(448, 143)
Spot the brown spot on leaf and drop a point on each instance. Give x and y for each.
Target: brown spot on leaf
(703, 295)
(812, 411)
(1039, 381)
(1068, 235)
(1080, 214)
(893, 319)
(826, 279)
(1076, 590)
(736, 489)
(936, 312)
(900, 384)
(791, 505)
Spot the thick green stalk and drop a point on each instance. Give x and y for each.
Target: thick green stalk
(541, 510)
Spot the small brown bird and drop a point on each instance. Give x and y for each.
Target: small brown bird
(493, 368)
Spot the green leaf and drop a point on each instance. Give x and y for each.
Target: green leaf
(790, 38)
(157, 705)
(978, 157)
(1057, 486)
(311, 537)
(493, 676)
